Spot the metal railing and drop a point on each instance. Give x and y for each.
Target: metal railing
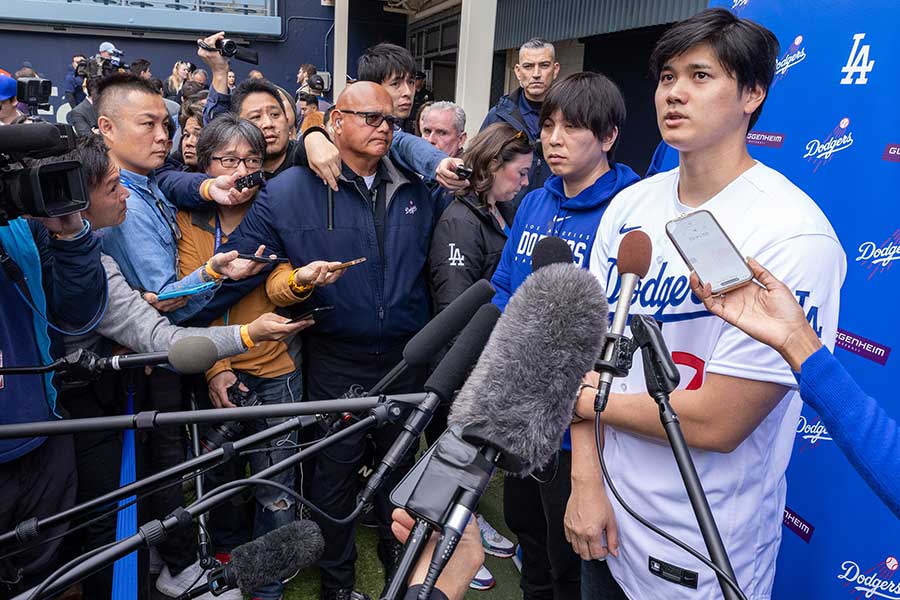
(263, 8)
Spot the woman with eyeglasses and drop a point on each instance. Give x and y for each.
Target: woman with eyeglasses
(230, 145)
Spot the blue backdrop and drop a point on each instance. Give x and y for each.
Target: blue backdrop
(832, 125)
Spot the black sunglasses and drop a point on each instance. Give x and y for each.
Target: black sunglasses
(374, 119)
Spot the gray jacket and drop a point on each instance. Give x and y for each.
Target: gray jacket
(131, 322)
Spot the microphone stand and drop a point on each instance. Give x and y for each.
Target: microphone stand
(156, 531)
(662, 378)
(207, 561)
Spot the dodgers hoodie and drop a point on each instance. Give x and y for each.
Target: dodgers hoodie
(547, 211)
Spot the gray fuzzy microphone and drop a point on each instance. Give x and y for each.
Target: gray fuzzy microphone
(520, 396)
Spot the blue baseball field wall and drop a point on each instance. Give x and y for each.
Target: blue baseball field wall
(831, 124)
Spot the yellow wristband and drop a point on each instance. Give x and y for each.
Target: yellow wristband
(245, 336)
(301, 290)
(204, 190)
(212, 272)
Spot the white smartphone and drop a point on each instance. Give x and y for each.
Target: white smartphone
(708, 251)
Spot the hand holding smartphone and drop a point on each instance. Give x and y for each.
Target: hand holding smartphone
(190, 291)
(708, 251)
(312, 313)
(347, 264)
(263, 259)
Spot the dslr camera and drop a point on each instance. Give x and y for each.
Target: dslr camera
(97, 66)
(220, 433)
(48, 189)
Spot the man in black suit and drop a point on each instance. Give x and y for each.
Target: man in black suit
(83, 117)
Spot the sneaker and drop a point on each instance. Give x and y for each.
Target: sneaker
(175, 585)
(493, 541)
(342, 594)
(517, 558)
(483, 579)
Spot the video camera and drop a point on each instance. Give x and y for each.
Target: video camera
(98, 66)
(50, 189)
(231, 48)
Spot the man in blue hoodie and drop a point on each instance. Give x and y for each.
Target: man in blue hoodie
(579, 124)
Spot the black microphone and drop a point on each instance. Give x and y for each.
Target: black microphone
(548, 251)
(632, 262)
(448, 376)
(274, 556)
(28, 137)
(438, 332)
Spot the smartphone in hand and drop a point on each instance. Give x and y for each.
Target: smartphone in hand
(263, 259)
(313, 313)
(349, 263)
(708, 251)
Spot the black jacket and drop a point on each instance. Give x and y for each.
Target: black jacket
(83, 118)
(466, 246)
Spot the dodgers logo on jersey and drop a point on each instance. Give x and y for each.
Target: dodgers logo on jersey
(877, 257)
(794, 55)
(876, 581)
(580, 243)
(660, 291)
(412, 208)
(819, 152)
(858, 63)
(811, 432)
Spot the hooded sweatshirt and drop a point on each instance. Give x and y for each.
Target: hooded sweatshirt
(547, 211)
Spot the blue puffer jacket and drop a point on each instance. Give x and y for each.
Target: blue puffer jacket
(377, 304)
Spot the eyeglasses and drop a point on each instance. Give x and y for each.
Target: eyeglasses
(231, 162)
(373, 119)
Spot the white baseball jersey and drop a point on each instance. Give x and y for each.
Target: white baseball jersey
(770, 219)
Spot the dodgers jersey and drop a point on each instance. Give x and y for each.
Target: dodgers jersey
(769, 218)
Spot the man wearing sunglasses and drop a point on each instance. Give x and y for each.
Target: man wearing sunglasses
(381, 212)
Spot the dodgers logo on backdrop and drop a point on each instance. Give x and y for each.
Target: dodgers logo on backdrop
(858, 63)
(738, 5)
(876, 581)
(877, 257)
(819, 152)
(794, 55)
(812, 432)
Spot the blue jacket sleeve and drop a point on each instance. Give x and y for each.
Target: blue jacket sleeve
(415, 154)
(216, 104)
(181, 187)
(501, 278)
(865, 433)
(74, 280)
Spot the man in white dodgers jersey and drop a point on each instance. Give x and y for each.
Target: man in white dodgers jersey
(738, 404)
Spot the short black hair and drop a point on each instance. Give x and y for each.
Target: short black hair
(309, 99)
(140, 66)
(253, 86)
(588, 100)
(190, 90)
(91, 84)
(157, 84)
(222, 130)
(745, 49)
(118, 84)
(384, 60)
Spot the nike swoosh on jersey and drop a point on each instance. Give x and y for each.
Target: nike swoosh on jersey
(623, 229)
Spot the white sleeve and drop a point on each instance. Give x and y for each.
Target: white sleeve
(603, 244)
(813, 267)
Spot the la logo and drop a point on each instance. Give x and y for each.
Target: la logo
(456, 257)
(858, 63)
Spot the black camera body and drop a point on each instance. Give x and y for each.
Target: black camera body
(463, 172)
(254, 179)
(35, 92)
(232, 49)
(98, 66)
(46, 189)
(221, 433)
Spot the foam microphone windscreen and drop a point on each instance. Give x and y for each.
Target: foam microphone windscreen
(520, 396)
(635, 252)
(194, 354)
(438, 332)
(548, 251)
(277, 555)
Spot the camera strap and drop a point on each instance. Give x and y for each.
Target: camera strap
(14, 273)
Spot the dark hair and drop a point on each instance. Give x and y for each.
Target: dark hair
(326, 118)
(253, 86)
(382, 61)
(91, 83)
(114, 86)
(222, 130)
(493, 147)
(190, 90)
(309, 69)
(140, 66)
(745, 49)
(588, 100)
(309, 99)
(157, 83)
(191, 110)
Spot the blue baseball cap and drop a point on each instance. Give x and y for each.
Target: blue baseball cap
(7, 87)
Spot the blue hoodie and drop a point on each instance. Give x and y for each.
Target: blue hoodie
(547, 211)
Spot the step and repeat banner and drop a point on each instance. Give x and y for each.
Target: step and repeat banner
(831, 124)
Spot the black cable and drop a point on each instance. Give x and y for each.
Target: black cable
(55, 574)
(725, 577)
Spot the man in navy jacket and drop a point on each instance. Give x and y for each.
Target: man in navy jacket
(382, 213)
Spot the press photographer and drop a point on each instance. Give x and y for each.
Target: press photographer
(51, 272)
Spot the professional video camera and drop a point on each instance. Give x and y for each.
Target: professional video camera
(229, 431)
(45, 190)
(98, 66)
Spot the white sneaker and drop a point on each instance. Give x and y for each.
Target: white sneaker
(175, 585)
(493, 541)
(483, 579)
